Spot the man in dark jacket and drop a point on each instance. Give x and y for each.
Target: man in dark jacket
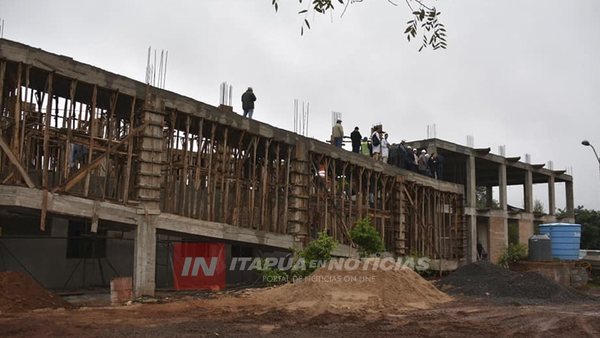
(248, 99)
(356, 139)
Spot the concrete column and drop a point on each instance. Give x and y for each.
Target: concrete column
(502, 199)
(528, 191)
(551, 196)
(569, 200)
(298, 207)
(470, 210)
(144, 264)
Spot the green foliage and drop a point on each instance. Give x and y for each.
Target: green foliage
(538, 207)
(512, 254)
(513, 233)
(317, 251)
(590, 227)
(366, 237)
(425, 20)
(481, 199)
(435, 32)
(273, 276)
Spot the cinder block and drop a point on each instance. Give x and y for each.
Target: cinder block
(121, 290)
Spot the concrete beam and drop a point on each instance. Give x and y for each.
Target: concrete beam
(224, 231)
(13, 196)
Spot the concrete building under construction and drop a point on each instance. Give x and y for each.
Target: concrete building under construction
(100, 174)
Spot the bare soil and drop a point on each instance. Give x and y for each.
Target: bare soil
(18, 292)
(397, 303)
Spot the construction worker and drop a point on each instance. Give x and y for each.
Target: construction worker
(337, 134)
(365, 147)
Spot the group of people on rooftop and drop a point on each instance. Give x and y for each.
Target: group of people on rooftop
(379, 148)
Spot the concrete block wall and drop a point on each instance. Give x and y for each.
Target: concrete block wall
(498, 237)
(525, 231)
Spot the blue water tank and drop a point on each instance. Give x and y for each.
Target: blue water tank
(565, 237)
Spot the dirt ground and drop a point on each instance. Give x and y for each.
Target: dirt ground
(240, 314)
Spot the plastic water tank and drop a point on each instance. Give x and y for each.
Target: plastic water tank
(565, 238)
(540, 248)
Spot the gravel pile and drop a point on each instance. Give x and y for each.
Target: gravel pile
(484, 279)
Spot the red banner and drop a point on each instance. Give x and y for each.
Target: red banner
(199, 266)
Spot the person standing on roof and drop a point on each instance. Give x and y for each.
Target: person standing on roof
(356, 137)
(385, 148)
(365, 147)
(248, 99)
(376, 143)
(337, 134)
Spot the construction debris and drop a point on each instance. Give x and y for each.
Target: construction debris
(484, 279)
(357, 289)
(19, 292)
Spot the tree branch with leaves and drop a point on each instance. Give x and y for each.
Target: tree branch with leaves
(425, 25)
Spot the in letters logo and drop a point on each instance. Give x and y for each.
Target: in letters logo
(199, 266)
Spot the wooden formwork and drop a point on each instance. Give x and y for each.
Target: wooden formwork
(163, 153)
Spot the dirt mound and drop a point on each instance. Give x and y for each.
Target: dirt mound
(19, 292)
(357, 289)
(484, 279)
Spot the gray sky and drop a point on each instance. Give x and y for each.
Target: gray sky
(518, 73)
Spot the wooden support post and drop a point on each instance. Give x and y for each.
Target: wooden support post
(239, 166)
(45, 182)
(24, 122)
(72, 91)
(109, 138)
(17, 112)
(288, 165)
(198, 175)
(92, 130)
(184, 174)
(84, 172)
(225, 179)
(253, 182)
(13, 159)
(275, 212)
(211, 178)
(130, 144)
(2, 75)
(264, 187)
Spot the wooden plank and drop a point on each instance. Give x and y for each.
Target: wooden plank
(264, 187)
(286, 199)
(2, 75)
(109, 136)
(83, 172)
(184, 174)
(275, 212)
(129, 152)
(72, 92)
(210, 178)
(13, 159)
(17, 111)
(92, 130)
(47, 131)
(225, 180)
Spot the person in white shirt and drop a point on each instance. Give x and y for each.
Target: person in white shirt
(385, 148)
(376, 144)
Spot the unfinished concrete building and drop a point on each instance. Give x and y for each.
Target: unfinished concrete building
(100, 174)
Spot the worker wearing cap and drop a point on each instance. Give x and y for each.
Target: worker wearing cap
(337, 134)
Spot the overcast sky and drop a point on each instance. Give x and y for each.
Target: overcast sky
(524, 74)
